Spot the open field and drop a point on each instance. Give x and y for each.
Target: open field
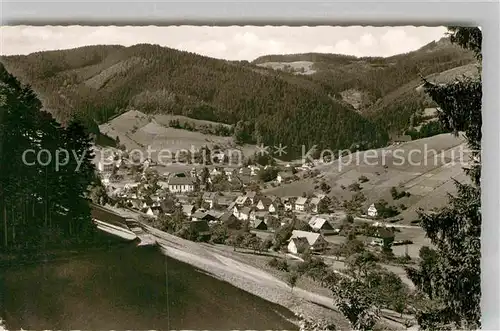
(137, 130)
(425, 168)
(445, 77)
(297, 67)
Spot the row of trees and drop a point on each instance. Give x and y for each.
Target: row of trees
(42, 202)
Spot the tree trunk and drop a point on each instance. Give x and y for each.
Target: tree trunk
(5, 225)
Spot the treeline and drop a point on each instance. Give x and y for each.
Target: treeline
(214, 129)
(275, 107)
(43, 201)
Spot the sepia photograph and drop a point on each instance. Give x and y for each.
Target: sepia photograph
(240, 177)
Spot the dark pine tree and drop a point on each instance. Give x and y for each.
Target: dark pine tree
(41, 205)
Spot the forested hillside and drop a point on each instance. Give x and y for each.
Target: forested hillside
(342, 102)
(264, 106)
(382, 89)
(43, 202)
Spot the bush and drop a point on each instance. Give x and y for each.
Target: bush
(273, 263)
(355, 187)
(278, 264)
(348, 219)
(398, 195)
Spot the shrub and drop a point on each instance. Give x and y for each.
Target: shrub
(355, 187)
(278, 264)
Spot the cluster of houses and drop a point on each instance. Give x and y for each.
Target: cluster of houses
(263, 212)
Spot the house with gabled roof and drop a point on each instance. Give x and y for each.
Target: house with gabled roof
(314, 204)
(210, 198)
(229, 219)
(244, 213)
(202, 214)
(298, 245)
(178, 184)
(188, 210)
(252, 196)
(274, 206)
(283, 176)
(321, 225)
(258, 224)
(315, 240)
(259, 214)
(300, 204)
(242, 200)
(265, 202)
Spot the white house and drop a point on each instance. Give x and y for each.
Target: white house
(264, 203)
(300, 204)
(181, 184)
(297, 245)
(236, 211)
(372, 211)
(150, 212)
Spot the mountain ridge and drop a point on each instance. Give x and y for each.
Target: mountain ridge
(339, 106)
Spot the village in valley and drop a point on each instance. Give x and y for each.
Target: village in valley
(311, 191)
(223, 204)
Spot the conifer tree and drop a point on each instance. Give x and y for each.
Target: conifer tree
(40, 203)
(453, 279)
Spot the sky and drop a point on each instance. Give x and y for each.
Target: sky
(231, 43)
